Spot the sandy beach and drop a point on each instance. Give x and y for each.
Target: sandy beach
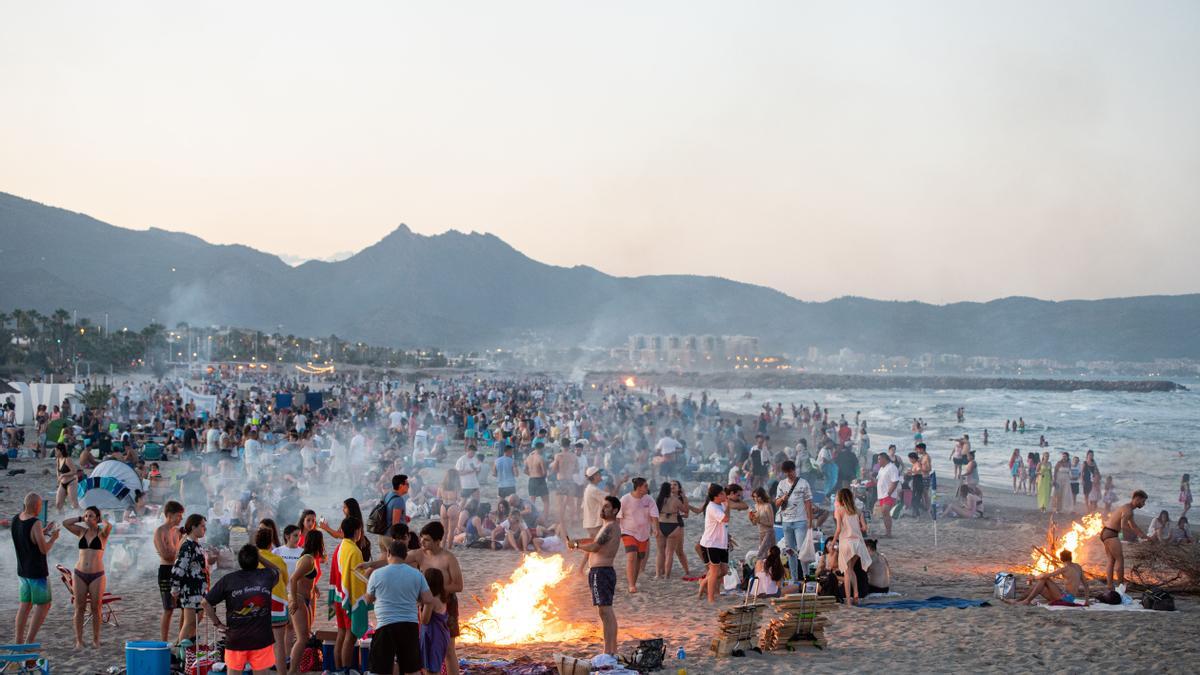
(968, 554)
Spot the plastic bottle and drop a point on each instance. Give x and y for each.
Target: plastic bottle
(681, 655)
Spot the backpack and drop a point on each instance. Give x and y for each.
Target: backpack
(1158, 599)
(379, 520)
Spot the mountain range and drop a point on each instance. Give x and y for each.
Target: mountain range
(462, 291)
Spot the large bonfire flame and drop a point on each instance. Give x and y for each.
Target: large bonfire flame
(522, 611)
(1046, 559)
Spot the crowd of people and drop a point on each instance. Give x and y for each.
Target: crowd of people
(505, 465)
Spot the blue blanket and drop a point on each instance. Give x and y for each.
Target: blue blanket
(936, 602)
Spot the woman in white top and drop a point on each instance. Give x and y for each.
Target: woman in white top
(715, 540)
(852, 549)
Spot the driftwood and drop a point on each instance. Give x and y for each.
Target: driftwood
(1173, 567)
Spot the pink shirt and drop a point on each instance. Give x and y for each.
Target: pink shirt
(638, 516)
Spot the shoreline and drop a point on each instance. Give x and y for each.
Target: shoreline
(780, 380)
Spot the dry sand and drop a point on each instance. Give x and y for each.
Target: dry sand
(997, 638)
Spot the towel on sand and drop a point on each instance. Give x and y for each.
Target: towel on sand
(936, 602)
(1101, 607)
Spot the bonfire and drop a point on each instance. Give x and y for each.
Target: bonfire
(522, 611)
(1046, 559)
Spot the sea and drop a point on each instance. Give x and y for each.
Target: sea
(1144, 440)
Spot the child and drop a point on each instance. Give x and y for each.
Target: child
(435, 631)
(1110, 495)
(1185, 493)
(1181, 535)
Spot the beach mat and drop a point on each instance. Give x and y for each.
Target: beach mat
(936, 602)
(1099, 607)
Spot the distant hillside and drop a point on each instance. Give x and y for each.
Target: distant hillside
(460, 290)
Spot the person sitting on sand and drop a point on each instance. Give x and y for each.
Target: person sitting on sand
(1075, 584)
(1181, 535)
(1110, 536)
(879, 574)
(966, 505)
(769, 572)
(1160, 527)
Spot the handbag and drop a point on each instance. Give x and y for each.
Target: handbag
(310, 661)
(648, 656)
(1006, 586)
(1158, 599)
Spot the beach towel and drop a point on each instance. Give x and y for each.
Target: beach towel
(353, 588)
(936, 602)
(1099, 607)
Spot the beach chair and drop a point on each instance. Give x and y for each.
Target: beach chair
(14, 660)
(152, 452)
(109, 604)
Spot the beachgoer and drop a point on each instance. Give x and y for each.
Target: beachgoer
(1110, 537)
(879, 572)
(1014, 467)
(395, 591)
(793, 499)
(1185, 493)
(246, 592)
(1181, 534)
(32, 542)
(166, 543)
(535, 468)
(435, 631)
(302, 595)
(505, 471)
(88, 586)
(602, 578)
(1074, 589)
(67, 475)
(1045, 482)
(852, 550)
(1090, 477)
(189, 575)
(433, 556)
(763, 515)
(769, 571)
(1160, 527)
(715, 540)
(638, 517)
(669, 534)
(279, 593)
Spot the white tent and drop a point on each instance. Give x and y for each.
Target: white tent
(112, 485)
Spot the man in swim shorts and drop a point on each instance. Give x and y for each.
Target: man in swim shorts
(1074, 584)
(638, 514)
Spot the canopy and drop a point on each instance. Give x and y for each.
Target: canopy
(112, 485)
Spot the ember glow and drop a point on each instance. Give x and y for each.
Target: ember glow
(630, 382)
(522, 611)
(1072, 540)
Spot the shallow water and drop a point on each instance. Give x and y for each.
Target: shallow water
(1137, 437)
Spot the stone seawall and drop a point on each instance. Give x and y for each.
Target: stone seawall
(777, 380)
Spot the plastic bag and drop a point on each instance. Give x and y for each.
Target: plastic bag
(731, 580)
(1006, 586)
(808, 550)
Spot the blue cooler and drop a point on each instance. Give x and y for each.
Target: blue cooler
(364, 654)
(148, 658)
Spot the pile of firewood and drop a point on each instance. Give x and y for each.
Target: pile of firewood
(801, 621)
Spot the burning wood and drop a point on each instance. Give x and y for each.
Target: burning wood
(522, 611)
(1045, 559)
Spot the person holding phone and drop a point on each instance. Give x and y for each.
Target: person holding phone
(32, 542)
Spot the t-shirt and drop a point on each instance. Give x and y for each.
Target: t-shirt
(637, 515)
(289, 556)
(247, 598)
(794, 511)
(889, 477)
(396, 589)
(212, 440)
(468, 472)
(504, 472)
(392, 502)
(666, 446)
(396, 420)
(714, 527)
(252, 452)
(593, 502)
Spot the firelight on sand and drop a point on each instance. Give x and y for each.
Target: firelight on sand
(1047, 561)
(522, 611)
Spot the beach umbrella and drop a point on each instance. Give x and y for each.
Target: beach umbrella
(112, 485)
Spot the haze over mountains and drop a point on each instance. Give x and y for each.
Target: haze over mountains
(459, 291)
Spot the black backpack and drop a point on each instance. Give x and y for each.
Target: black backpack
(379, 520)
(1158, 599)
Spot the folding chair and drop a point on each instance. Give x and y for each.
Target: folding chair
(14, 657)
(152, 452)
(108, 603)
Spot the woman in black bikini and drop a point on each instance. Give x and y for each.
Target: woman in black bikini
(67, 475)
(89, 569)
(302, 594)
(671, 512)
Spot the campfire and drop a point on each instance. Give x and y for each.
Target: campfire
(522, 611)
(1045, 559)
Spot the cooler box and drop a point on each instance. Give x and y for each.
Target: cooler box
(148, 658)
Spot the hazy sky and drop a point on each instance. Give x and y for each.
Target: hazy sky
(911, 150)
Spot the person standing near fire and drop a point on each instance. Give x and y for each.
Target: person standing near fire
(602, 578)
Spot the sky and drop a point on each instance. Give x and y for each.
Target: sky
(935, 151)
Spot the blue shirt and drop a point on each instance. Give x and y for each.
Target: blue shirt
(505, 477)
(396, 589)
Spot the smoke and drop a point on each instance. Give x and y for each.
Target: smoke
(194, 303)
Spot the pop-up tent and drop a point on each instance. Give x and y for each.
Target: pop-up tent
(112, 485)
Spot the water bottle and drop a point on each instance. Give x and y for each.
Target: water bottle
(681, 655)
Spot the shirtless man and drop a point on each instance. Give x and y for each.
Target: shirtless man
(1110, 536)
(565, 466)
(1075, 586)
(166, 542)
(535, 467)
(602, 578)
(435, 557)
